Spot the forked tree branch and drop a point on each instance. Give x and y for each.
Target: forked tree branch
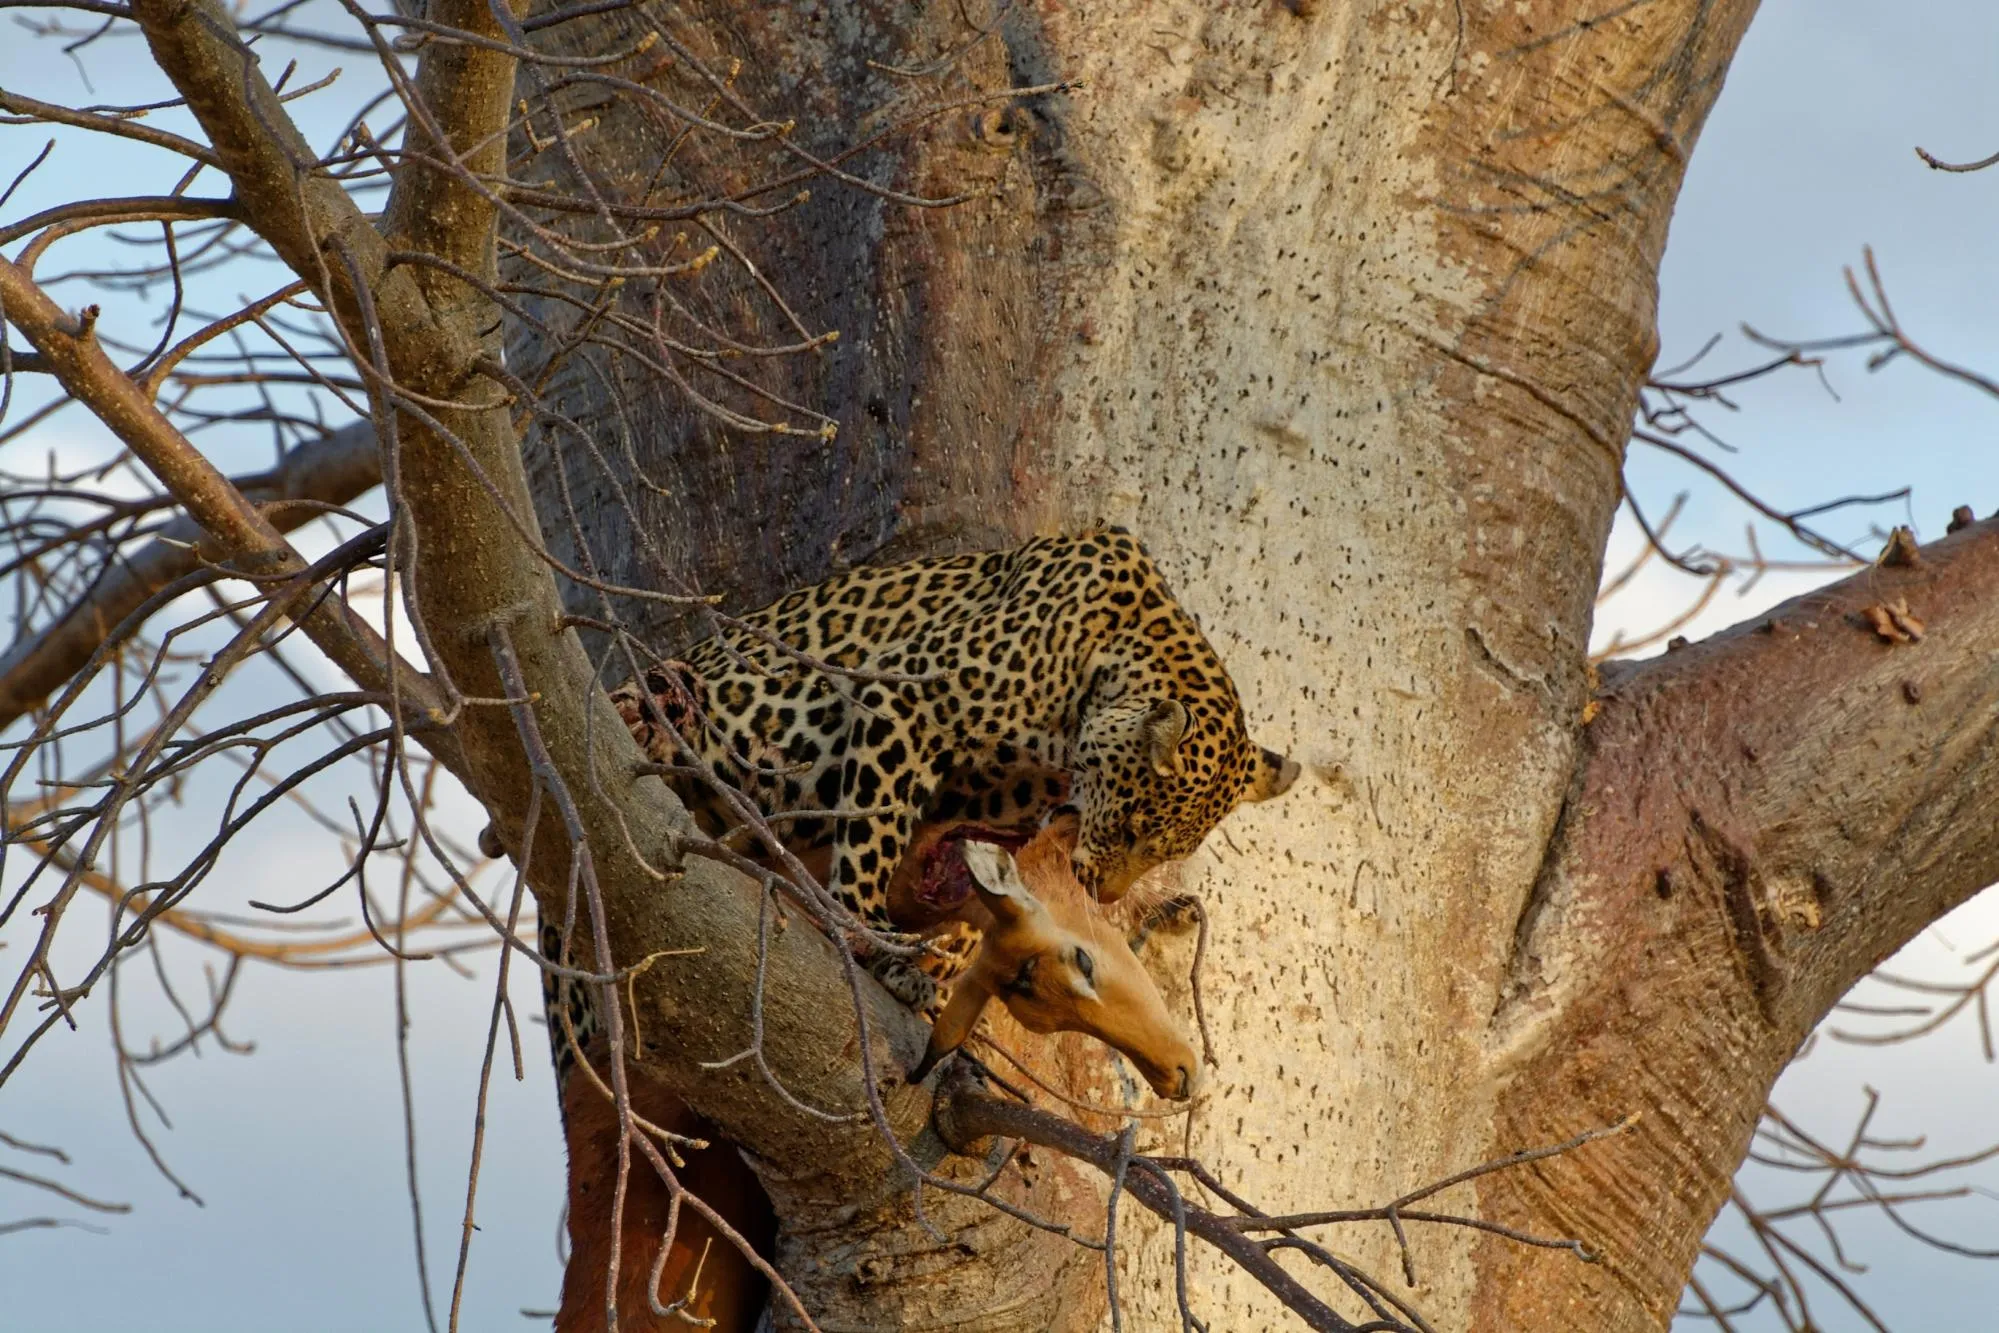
(1757, 821)
(453, 468)
(240, 532)
(1821, 762)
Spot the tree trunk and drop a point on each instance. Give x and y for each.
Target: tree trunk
(1343, 309)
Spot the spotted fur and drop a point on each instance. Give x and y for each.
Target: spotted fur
(985, 690)
(1060, 671)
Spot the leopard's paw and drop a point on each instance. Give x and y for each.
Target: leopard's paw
(901, 978)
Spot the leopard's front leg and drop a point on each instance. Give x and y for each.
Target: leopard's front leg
(867, 848)
(949, 956)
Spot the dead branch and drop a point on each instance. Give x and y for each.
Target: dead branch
(1885, 334)
(222, 511)
(967, 1114)
(1798, 1252)
(331, 471)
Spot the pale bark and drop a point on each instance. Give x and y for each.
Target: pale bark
(1343, 309)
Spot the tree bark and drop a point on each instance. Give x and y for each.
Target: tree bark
(1343, 309)
(1756, 822)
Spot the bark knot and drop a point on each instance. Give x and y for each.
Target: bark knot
(1729, 863)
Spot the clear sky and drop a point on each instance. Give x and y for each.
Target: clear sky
(297, 1148)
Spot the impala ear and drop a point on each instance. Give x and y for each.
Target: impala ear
(1164, 726)
(1270, 774)
(997, 881)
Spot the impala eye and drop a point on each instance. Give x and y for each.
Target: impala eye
(1087, 966)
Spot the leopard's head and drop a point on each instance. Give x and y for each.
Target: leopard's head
(1154, 776)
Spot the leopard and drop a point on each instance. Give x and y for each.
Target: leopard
(991, 691)
(977, 696)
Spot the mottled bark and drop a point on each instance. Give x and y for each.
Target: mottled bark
(1757, 821)
(1343, 308)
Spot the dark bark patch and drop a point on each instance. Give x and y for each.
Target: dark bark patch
(1731, 867)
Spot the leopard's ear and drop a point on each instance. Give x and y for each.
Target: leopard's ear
(1270, 774)
(1163, 727)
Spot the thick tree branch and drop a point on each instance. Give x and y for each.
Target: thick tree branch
(329, 471)
(1867, 759)
(304, 214)
(453, 469)
(1758, 821)
(1815, 765)
(460, 111)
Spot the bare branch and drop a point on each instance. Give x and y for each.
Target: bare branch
(243, 533)
(331, 471)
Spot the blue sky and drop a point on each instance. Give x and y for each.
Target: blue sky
(297, 1149)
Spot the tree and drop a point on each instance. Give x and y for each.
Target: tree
(1347, 314)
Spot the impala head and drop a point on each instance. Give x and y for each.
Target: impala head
(1057, 967)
